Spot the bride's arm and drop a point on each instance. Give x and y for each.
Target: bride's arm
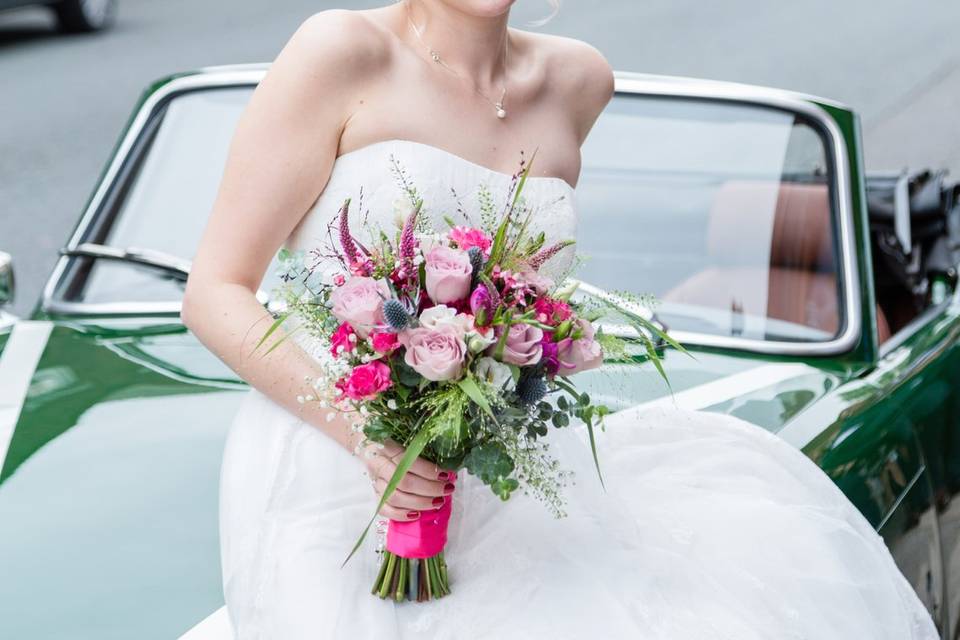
(280, 158)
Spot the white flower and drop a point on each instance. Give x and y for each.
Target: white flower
(477, 341)
(435, 317)
(495, 373)
(392, 404)
(402, 208)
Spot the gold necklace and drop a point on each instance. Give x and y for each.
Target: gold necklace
(435, 56)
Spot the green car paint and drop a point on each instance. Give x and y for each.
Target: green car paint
(108, 489)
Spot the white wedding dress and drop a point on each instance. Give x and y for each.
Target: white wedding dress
(710, 527)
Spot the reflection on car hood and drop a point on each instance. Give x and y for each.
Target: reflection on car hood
(109, 487)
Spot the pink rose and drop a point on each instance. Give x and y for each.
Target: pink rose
(341, 342)
(435, 353)
(384, 341)
(535, 280)
(448, 274)
(551, 311)
(523, 346)
(467, 237)
(360, 302)
(366, 381)
(579, 354)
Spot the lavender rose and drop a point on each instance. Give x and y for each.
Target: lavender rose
(359, 302)
(581, 354)
(523, 346)
(435, 353)
(448, 274)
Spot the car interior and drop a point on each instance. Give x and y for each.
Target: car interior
(915, 238)
(799, 284)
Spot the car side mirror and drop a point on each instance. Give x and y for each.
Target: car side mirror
(6, 279)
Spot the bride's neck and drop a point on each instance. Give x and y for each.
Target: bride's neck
(471, 44)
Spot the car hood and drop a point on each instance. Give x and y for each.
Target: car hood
(108, 488)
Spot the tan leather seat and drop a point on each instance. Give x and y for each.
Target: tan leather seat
(780, 266)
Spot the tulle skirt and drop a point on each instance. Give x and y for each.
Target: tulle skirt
(709, 527)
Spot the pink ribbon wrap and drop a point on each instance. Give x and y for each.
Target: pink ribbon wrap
(424, 537)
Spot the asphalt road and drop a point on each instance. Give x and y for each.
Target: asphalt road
(64, 100)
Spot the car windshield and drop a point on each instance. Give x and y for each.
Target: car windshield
(722, 211)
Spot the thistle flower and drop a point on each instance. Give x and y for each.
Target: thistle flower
(395, 314)
(476, 260)
(545, 254)
(531, 389)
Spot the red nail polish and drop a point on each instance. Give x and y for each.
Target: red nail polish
(437, 502)
(443, 475)
(413, 514)
(449, 487)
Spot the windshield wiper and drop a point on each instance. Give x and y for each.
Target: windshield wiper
(179, 268)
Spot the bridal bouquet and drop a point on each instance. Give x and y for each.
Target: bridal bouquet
(450, 344)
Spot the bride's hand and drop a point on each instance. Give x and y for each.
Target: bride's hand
(424, 487)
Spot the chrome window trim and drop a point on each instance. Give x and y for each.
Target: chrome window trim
(626, 83)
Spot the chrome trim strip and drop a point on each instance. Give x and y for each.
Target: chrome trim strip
(146, 257)
(896, 340)
(631, 83)
(903, 494)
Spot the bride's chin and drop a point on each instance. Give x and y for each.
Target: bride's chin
(481, 8)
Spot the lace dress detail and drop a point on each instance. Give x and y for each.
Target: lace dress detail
(710, 528)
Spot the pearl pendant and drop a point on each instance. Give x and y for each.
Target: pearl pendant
(501, 113)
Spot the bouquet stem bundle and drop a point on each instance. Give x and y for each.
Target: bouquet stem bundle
(414, 579)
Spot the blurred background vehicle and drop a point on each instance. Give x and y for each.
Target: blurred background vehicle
(73, 16)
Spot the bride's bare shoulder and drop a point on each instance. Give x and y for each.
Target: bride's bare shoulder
(576, 73)
(347, 43)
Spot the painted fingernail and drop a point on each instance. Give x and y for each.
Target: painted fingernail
(443, 475)
(449, 487)
(413, 514)
(438, 501)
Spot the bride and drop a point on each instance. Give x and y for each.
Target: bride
(709, 528)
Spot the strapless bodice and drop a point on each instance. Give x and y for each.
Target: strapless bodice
(379, 177)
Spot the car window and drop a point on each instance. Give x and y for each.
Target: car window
(166, 202)
(721, 211)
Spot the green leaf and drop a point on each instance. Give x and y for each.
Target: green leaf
(502, 342)
(278, 342)
(414, 448)
(565, 384)
(473, 391)
(503, 487)
(490, 462)
(273, 327)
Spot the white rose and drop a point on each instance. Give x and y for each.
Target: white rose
(435, 317)
(478, 341)
(495, 373)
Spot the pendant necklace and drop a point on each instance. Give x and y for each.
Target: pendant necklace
(498, 105)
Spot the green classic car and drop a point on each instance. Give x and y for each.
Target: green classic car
(817, 301)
